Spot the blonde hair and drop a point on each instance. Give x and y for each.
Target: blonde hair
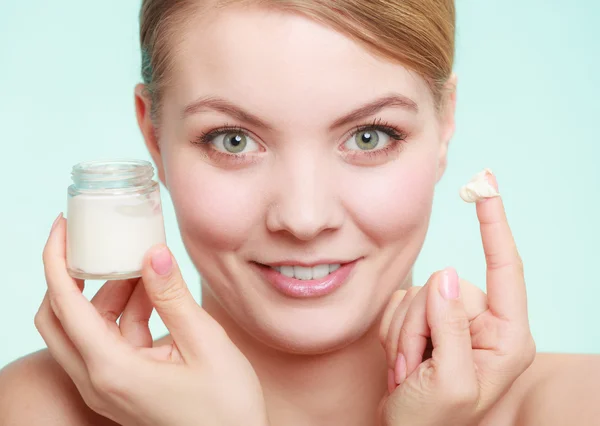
(416, 33)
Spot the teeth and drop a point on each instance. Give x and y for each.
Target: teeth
(288, 271)
(303, 273)
(306, 273)
(320, 271)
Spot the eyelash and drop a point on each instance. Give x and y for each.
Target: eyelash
(206, 138)
(397, 137)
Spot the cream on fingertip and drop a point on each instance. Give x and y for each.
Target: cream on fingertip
(478, 188)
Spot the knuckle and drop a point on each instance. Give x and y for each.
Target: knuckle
(526, 354)
(172, 292)
(427, 377)
(457, 394)
(110, 315)
(457, 325)
(39, 320)
(138, 319)
(516, 354)
(407, 334)
(46, 255)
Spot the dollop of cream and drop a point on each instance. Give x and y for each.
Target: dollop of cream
(478, 188)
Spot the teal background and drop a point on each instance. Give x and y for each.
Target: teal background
(528, 107)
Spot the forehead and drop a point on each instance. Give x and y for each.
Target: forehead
(267, 57)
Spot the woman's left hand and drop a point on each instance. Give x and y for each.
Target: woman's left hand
(479, 345)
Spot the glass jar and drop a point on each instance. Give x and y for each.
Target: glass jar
(114, 216)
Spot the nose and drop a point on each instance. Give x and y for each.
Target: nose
(306, 203)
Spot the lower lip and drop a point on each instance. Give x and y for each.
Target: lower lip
(293, 287)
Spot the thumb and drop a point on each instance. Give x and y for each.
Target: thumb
(173, 302)
(450, 329)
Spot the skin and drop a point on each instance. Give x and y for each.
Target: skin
(317, 201)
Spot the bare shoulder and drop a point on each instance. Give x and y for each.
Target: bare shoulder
(35, 390)
(566, 394)
(557, 389)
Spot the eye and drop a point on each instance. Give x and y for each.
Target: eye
(232, 142)
(368, 139)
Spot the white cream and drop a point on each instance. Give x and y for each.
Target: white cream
(108, 235)
(478, 188)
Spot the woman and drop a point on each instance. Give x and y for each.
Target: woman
(301, 142)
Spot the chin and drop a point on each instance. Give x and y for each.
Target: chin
(310, 330)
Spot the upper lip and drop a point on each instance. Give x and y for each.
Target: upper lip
(307, 264)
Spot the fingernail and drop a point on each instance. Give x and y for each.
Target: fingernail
(400, 375)
(491, 179)
(58, 218)
(391, 382)
(449, 287)
(161, 261)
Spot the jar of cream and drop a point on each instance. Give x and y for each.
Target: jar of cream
(114, 216)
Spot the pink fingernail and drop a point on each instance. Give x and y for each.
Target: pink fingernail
(449, 287)
(400, 374)
(161, 261)
(58, 218)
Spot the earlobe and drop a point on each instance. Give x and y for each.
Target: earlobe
(447, 122)
(143, 108)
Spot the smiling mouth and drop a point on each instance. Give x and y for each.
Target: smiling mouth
(306, 273)
(302, 281)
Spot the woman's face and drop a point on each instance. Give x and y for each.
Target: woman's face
(329, 157)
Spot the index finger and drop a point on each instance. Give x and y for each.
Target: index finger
(507, 295)
(79, 319)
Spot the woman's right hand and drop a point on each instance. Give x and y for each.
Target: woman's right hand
(201, 378)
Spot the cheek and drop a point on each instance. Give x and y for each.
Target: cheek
(392, 202)
(216, 208)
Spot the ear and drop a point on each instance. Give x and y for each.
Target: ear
(447, 123)
(143, 108)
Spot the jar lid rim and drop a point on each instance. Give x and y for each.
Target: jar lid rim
(106, 167)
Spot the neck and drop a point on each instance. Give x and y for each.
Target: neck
(341, 387)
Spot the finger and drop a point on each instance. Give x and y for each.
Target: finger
(388, 314)
(134, 322)
(187, 322)
(391, 346)
(507, 296)
(449, 325)
(111, 299)
(59, 345)
(414, 336)
(79, 319)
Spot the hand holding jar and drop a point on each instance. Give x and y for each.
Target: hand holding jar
(200, 378)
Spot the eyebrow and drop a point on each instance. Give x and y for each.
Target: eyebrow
(223, 106)
(390, 101)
